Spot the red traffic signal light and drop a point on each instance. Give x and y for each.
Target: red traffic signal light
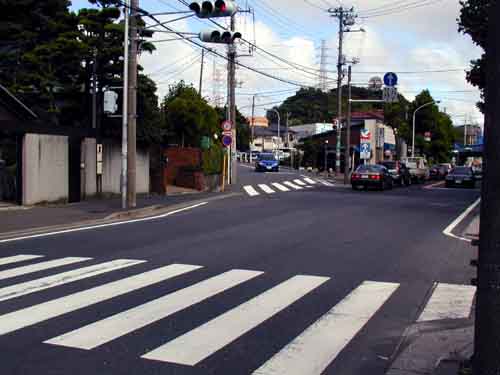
(210, 9)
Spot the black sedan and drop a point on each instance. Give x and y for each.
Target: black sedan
(399, 172)
(372, 175)
(461, 176)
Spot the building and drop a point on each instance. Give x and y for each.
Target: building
(383, 140)
(267, 139)
(468, 134)
(308, 130)
(258, 121)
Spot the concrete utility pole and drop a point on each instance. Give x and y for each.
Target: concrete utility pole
(347, 152)
(346, 19)
(487, 337)
(252, 126)
(340, 64)
(232, 101)
(201, 71)
(132, 111)
(123, 182)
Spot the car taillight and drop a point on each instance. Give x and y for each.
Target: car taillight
(355, 176)
(375, 177)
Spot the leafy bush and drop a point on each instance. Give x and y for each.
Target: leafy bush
(212, 160)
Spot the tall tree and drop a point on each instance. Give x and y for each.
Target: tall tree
(473, 21)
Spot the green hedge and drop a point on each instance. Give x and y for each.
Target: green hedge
(212, 160)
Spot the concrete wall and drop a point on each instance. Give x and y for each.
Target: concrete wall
(45, 168)
(112, 169)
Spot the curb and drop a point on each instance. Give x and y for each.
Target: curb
(114, 218)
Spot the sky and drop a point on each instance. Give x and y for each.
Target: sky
(418, 40)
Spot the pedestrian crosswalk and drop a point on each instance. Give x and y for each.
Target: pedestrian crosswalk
(309, 352)
(284, 186)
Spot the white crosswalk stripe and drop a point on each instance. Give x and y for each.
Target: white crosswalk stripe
(251, 191)
(326, 183)
(106, 330)
(292, 185)
(314, 349)
(17, 290)
(18, 258)
(280, 187)
(200, 343)
(266, 189)
(449, 301)
(310, 181)
(19, 271)
(310, 352)
(39, 313)
(299, 182)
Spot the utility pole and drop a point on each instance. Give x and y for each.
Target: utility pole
(123, 182)
(487, 326)
(346, 19)
(347, 152)
(201, 70)
(340, 64)
(232, 101)
(252, 126)
(132, 110)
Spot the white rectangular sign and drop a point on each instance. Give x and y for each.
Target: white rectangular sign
(390, 95)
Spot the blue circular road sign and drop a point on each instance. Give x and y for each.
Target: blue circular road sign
(390, 79)
(227, 140)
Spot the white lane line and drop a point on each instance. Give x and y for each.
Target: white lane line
(449, 229)
(81, 229)
(315, 348)
(24, 270)
(299, 182)
(200, 343)
(37, 285)
(39, 313)
(310, 181)
(292, 185)
(18, 258)
(266, 189)
(280, 187)
(106, 330)
(251, 191)
(449, 301)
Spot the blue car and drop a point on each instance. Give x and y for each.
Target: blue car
(267, 163)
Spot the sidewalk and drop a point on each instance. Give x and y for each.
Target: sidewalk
(22, 219)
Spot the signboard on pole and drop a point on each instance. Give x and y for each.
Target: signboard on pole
(390, 79)
(227, 140)
(365, 151)
(226, 126)
(390, 95)
(365, 135)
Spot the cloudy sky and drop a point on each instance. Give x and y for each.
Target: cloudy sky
(416, 39)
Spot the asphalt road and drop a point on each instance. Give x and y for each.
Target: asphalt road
(365, 263)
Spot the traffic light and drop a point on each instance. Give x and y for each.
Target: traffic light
(215, 36)
(212, 9)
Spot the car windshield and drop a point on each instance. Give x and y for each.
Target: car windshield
(268, 157)
(462, 170)
(389, 164)
(369, 169)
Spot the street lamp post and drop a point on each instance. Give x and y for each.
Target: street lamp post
(414, 114)
(279, 125)
(326, 157)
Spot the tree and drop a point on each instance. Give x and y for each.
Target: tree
(39, 51)
(473, 21)
(188, 115)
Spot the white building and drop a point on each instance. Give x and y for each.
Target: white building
(308, 130)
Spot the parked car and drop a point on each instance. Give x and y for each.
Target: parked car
(372, 175)
(418, 169)
(439, 172)
(399, 172)
(461, 176)
(267, 162)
